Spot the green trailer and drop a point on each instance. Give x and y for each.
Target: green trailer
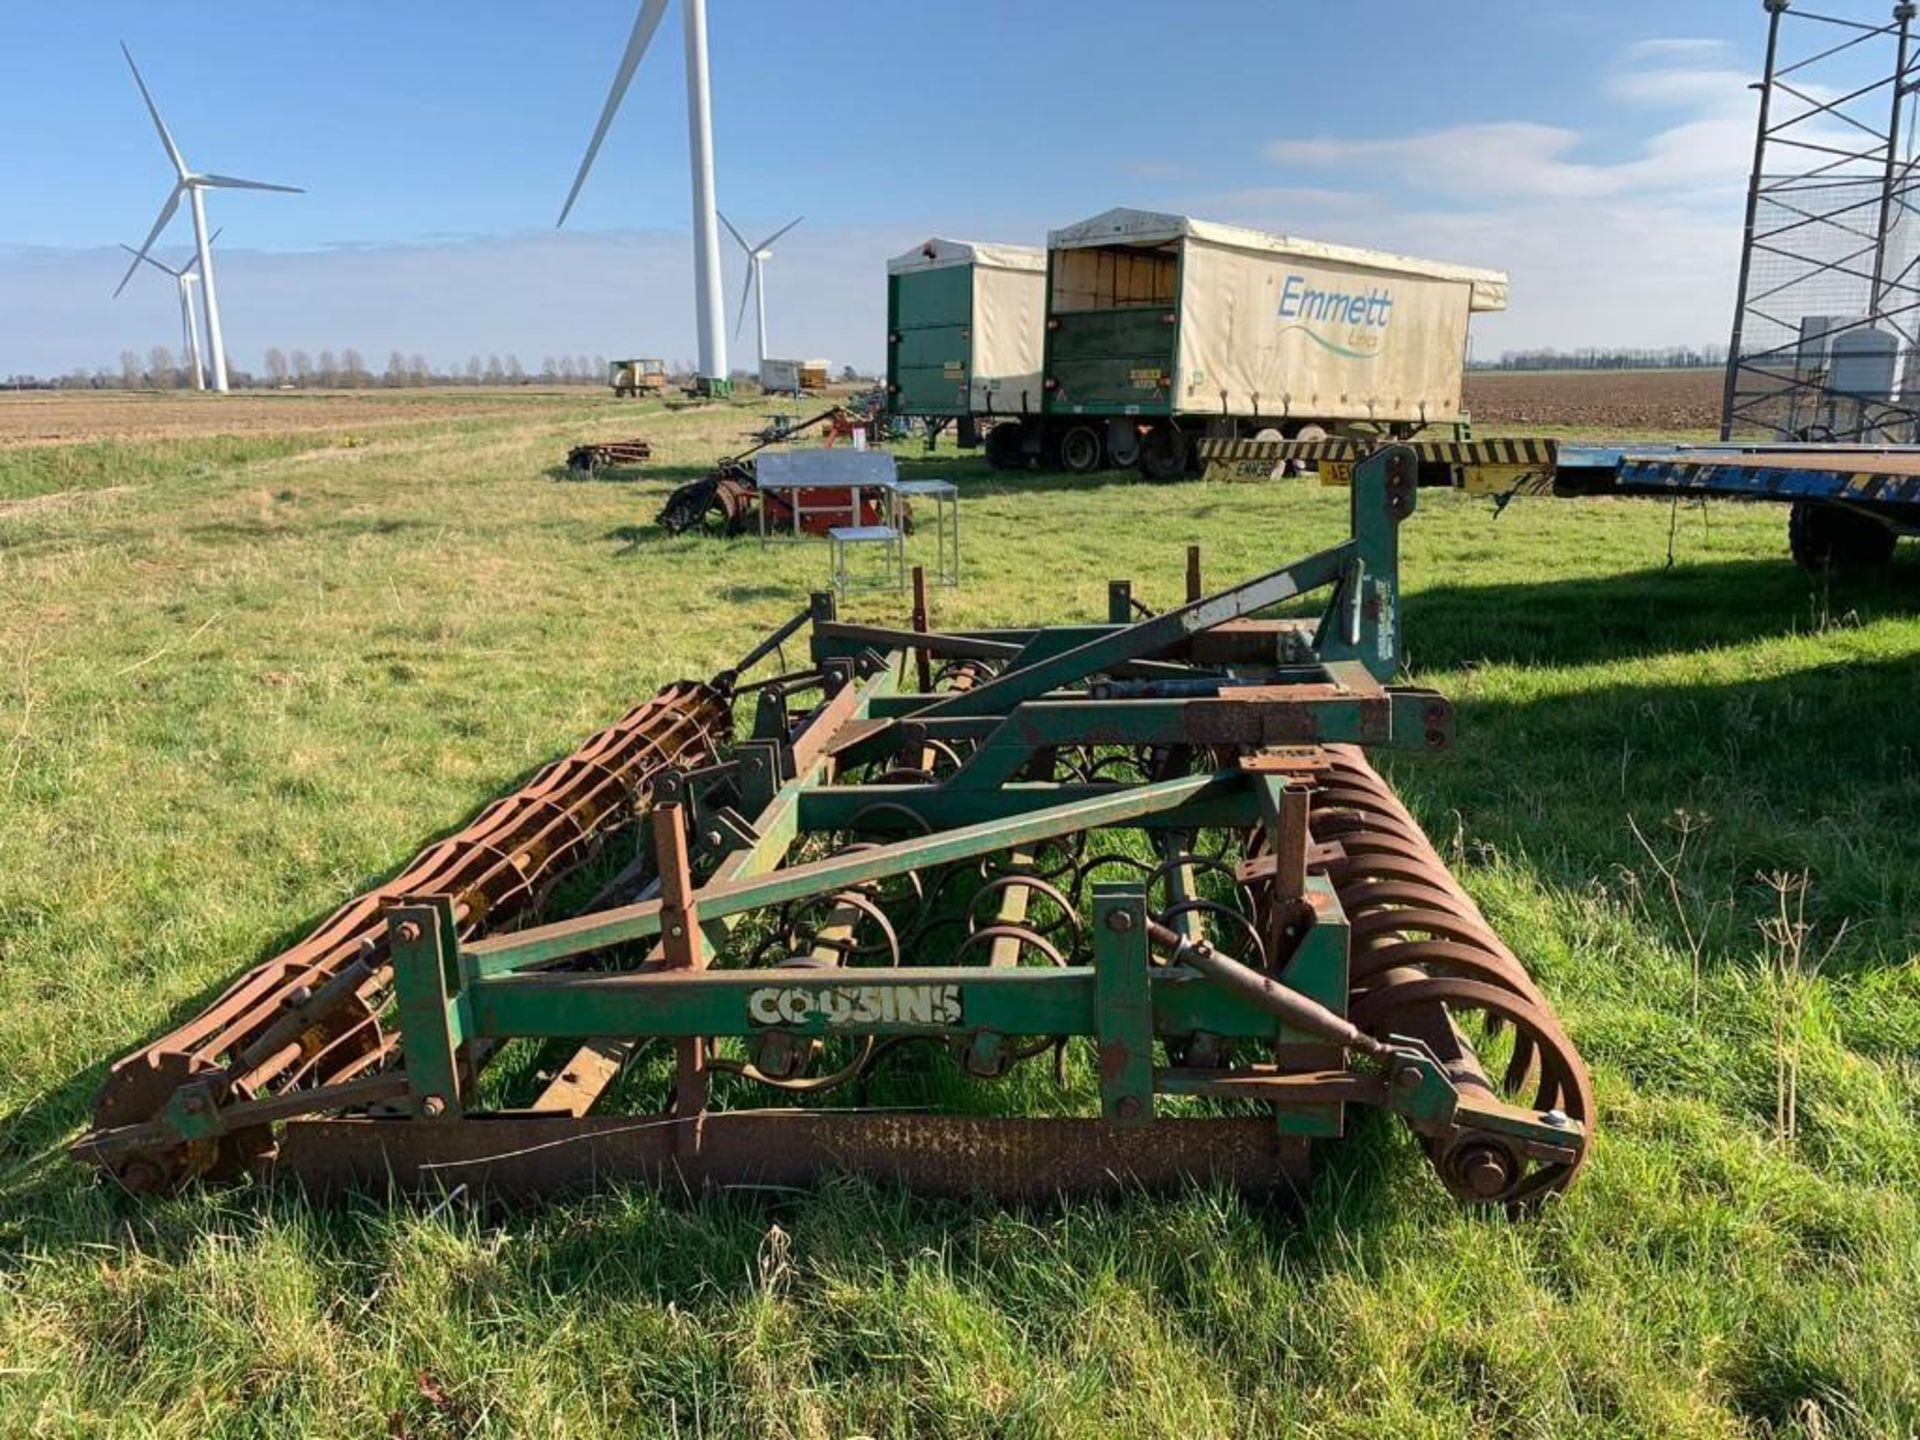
(964, 333)
(1163, 330)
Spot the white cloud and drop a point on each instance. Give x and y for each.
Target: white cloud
(1506, 157)
(1630, 249)
(1528, 158)
(1627, 272)
(1678, 48)
(1278, 200)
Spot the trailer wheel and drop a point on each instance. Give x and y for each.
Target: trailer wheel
(1080, 450)
(1308, 431)
(1831, 537)
(1163, 454)
(1123, 444)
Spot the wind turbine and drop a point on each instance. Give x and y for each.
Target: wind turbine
(756, 281)
(185, 279)
(709, 309)
(193, 185)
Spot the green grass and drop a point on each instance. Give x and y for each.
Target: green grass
(240, 680)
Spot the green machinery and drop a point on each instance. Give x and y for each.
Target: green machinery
(1150, 850)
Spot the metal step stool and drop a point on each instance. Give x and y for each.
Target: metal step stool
(843, 539)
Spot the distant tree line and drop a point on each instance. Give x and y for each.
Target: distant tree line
(327, 370)
(1671, 357)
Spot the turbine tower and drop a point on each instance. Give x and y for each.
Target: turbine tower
(194, 186)
(709, 309)
(184, 279)
(756, 281)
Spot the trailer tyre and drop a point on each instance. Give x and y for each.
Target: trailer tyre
(1163, 454)
(1006, 446)
(1832, 537)
(1308, 431)
(1080, 450)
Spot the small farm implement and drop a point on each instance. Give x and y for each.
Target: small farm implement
(1020, 911)
(607, 454)
(722, 501)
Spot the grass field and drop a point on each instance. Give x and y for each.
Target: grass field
(243, 676)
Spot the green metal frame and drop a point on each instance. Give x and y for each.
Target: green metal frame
(1211, 676)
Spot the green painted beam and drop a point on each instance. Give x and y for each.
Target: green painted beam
(937, 999)
(1149, 638)
(1220, 800)
(544, 944)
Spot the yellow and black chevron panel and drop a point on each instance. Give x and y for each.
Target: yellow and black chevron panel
(1274, 451)
(1521, 450)
(1503, 459)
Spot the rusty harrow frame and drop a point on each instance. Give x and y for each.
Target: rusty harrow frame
(606, 454)
(1140, 872)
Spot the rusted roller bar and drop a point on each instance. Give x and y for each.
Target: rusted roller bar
(1425, 964)
(312, 1016)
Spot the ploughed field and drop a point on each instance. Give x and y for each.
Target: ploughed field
(38, 417)
(246, 672)
(1598, 401)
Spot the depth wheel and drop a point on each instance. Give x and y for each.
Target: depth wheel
(1163, 454)
(1080, 450)
(1832, 537)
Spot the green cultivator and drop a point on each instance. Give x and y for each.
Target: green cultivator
(1016, 911)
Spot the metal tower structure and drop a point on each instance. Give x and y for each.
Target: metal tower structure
(1826, 330)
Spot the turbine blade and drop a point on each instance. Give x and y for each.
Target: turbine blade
(230, 182)
(166, 138)
(734, 231)
(185, 272)
(166, 214)
(644, 25)
(157, 264)
(746, 291)
(767, 243)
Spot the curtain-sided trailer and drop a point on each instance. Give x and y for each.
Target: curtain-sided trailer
(1162, 330)
(965, 332)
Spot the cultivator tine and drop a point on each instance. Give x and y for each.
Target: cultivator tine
(585, 1078)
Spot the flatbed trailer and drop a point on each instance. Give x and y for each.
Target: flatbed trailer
(1849, 504)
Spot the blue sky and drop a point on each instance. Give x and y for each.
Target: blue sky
(1594, 147)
